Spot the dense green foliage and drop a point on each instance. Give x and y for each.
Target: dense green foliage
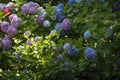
(40, 60)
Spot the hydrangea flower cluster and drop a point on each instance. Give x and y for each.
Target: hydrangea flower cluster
(71, 2)
(11, 29)
(66, 46)
(40, 20)
(46, 23)
(66, 24)
(58, 26)
(90, 53)
(60, 12)
(71, 51)
(87, 35)
(2, 7)
(6, 43)
(30, 7)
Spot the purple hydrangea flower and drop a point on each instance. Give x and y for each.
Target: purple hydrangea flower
(73, 51)
(12, 16)
(60, 6)
(29, 42)
(90, 53)
(16, 22)
(87, 35)
(4, 26)
(31, 4)
(12, 31)
(116, 9)
(32, 10)
(6, 43)
(66, 24)
(66, 46)
(58, 26)
(71, 2)
(2, 6)
(40, 20)
(25, 8)
(46, 23)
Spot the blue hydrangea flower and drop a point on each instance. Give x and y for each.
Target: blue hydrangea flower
(60, 18)
(73, 51)
(87, 35)
(60, 6)
(58, 26)
(71, 2)
(90, 53)
(59, 12)
(102, 1)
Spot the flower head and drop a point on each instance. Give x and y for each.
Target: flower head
(25, 8)
(46, 23)
(6, 43)
(12, 16)
(40, 20)
(12, 31)
(60, 6)
(27, 33)
(16, 22)
(71, 2)
(58, 26)
(29, 42)
(66, 24)
(90, 53)
(4, 26)
(87, 34)
(73, 51)
(66, 46)
(32, 10)
(2, 6)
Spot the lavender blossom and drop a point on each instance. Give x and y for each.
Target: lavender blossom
(6, 43)
(16, 22)
(4, 26)
(66, 24)
(12, 16)
(40, 20)
(12, 31)
(32, 10)
(25, 8)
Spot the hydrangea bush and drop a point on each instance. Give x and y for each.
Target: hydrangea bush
(73, 40)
